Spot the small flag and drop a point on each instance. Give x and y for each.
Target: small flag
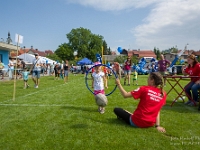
(18, 38)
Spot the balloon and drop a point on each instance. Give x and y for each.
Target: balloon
(119, 49)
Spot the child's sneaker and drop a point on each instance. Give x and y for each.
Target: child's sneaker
(102, 110)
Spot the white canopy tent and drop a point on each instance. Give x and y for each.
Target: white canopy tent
(28, 58)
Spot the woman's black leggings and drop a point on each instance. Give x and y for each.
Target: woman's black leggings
(122, 114)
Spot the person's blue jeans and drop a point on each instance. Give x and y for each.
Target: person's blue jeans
(194, 88)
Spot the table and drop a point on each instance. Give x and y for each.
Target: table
(177, 79)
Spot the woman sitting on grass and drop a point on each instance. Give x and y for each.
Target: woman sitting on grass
(193, 69)
(152, 98)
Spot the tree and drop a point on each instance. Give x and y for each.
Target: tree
(54, 57)
(106, 50)
(65, 52)
(85, 43)
(120, 59)
(173, 50)
(157, 52)
(134, 60)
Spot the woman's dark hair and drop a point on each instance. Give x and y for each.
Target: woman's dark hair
(130, 60)
(193, 58)
(158, 80)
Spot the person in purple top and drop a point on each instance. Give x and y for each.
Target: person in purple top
(127, 70)
(162, 66)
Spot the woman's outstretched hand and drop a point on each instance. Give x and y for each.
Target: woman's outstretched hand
(117, 81)
(161, 129)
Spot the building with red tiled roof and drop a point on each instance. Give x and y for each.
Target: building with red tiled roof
(32, 51)
(48, 52)
(113, 53)
(141, 53)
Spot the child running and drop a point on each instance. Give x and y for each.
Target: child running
(98, 79)
(25, 74)
(152, 98)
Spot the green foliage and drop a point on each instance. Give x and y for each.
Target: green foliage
(85, 43)
(134, 60)
(54, 57)
(173, 50)
(65, 52)
(106, 50)
(157, 53)
(120, 59)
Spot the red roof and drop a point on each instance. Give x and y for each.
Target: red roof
(48, 52)
(142, 53)
(22, 51)
(113, 53)
(197, 53)
(41, 53)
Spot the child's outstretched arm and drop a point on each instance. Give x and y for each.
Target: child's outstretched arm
(123, 92)
(158, 127)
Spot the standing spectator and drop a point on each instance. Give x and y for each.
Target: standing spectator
(61, 69)
(36, 68)
(11, 68)
(72, 68)
(56, 71)
(127, 70)
(162, 66)
(1, 69)
(117, 69)
(48, 69)
(18, 69)
(52, 68)
(66, 71)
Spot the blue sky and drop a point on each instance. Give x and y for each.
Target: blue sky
(130, 24)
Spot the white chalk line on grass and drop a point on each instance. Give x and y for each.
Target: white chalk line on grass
(54, 105)
(46, 89)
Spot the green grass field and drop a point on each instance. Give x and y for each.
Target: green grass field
(62, 116)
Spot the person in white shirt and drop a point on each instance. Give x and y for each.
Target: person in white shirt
(36, 69)
(11, 68)
(98, 79)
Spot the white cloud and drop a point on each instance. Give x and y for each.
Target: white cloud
(170, 22)
(114, 5)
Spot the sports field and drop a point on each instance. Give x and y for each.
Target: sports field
(59, 116)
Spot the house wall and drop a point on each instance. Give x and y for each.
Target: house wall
(4, 56)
